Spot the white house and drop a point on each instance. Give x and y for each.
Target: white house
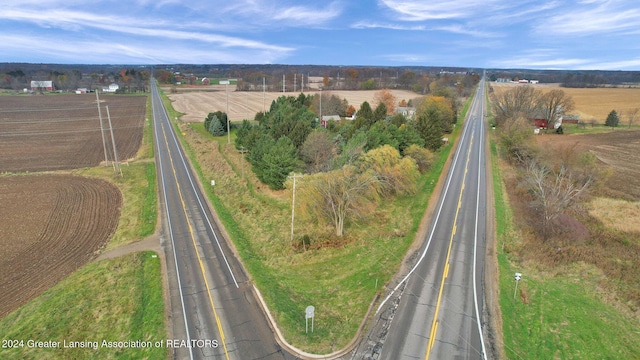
(112, 88)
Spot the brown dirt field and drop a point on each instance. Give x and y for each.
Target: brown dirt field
(592, 103)
(55, 132)
(618, 150)
(196, 103)
(52, 225)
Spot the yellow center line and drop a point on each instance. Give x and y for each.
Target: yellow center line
(193, 240)
(445, 273)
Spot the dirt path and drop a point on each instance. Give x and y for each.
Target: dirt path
(151, 243)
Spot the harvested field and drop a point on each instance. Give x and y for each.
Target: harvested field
(196, 103)
(55, 132)
(619, 150)
(592, 103)
(51, 226)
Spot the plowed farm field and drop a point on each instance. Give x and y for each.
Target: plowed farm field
(50, 226)
(197, 102)
(57, 132)
(617, 150)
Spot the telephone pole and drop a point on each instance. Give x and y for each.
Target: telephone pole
(293, 200)
(113, 141)
(104, 143)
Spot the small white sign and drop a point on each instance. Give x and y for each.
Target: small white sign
(309, 312)
(518, 276)
(224, 82)
(213, 182)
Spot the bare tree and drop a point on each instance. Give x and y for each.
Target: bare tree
(553, 192)
(554, 104)
(632, 115)
(317, 151)
(521, 101)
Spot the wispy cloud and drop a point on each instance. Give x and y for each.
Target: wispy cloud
(76, 21)
(437, 9)
(374, 25)
(270, 13)
(604, 18)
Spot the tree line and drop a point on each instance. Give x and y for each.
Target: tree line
(349, 165)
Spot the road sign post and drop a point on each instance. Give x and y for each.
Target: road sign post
(517, 277)
(309, 314)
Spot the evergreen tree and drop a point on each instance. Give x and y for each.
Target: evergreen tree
(277, 163)
(215, 127)
(612, 119)
(430, 128)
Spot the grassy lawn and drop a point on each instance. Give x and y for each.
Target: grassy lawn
(556, 313)
(340, 278)
(113, 300)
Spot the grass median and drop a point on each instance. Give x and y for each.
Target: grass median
(341, 277)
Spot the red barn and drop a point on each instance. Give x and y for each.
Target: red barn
(37, 85)
(540, 123)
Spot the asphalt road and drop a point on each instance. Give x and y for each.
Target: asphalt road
(214, 313)
(439, 315)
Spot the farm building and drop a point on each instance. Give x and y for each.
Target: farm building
(540, 123)
(37, 85)
(326, 118)
(407, 112)
(112, 88)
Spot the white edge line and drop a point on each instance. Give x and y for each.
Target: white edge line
(475, 245)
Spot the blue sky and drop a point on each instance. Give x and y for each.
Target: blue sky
(537, 34)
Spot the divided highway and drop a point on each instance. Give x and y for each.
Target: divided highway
(214, 312)
(440, 312)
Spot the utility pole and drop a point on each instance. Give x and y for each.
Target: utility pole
(283, 80)
(226, 88)
(320, 105)
(104, 143)
(113, 141)
(293, 200)
(295, 80)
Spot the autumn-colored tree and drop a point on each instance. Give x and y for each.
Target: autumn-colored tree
(423, 157)
(351, 110)
(352, 78)
(397, 175)
(325, 81)
(387, 98)
(440, 108)
(403, 103)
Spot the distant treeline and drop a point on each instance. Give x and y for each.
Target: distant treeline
(571, 78)
(65, 77)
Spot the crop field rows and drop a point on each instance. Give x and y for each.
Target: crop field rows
(42, 133)
(54, 224)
